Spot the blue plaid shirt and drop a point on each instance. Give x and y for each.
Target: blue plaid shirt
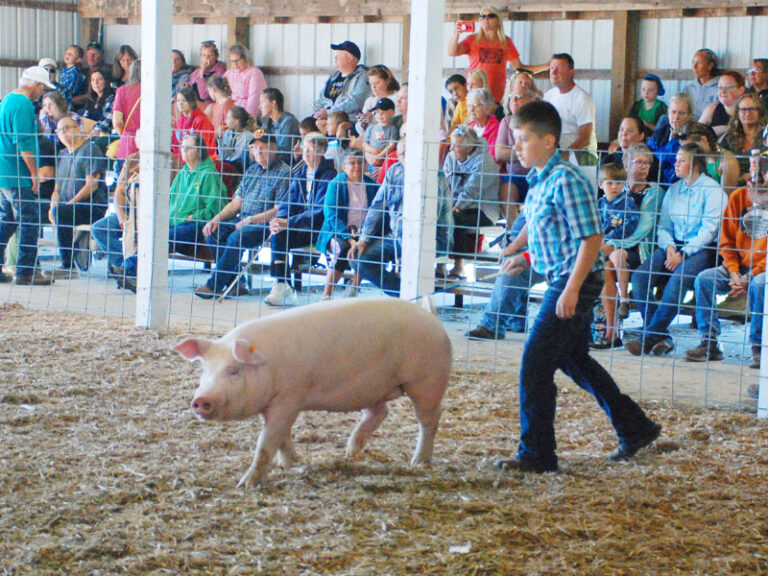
(560, 209)
(72, 80)
(263, 188)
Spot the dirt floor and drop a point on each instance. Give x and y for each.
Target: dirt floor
(104, 470)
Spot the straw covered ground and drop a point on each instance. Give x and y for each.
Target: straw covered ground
(104, 470)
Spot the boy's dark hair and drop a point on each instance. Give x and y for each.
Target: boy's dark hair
(309, 124)
(241, 116)
(694, 128)
(612, 172)
(541, 118)
(274, 95)
(456, 79)
(566, 58)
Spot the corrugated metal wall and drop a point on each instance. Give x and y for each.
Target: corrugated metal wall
(665, 43)
(28, 34)
(308, 45)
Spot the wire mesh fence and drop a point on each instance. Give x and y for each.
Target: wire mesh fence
(322, 218)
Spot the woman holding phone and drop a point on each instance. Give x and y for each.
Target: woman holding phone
(489, 49)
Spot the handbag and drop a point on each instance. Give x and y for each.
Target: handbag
(111, 151)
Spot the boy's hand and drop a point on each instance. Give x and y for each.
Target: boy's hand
(566, 304)
(515, 265)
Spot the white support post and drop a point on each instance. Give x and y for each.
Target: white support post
(422, 155)
(154, 144)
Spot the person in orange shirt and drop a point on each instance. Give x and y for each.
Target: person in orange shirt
(489, 49)
(743, 240)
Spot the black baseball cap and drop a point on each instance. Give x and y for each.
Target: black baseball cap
(383, 104)
(348, 46)
(262, 136)
(95, 46)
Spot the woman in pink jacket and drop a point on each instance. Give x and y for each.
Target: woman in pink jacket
(245, 80)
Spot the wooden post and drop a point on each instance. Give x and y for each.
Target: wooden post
(238, 32)
(406, 47)
(89, 31)
(154, 140)
(417, 275)
(624, 66)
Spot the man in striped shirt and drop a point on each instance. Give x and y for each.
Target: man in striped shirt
(563, 233)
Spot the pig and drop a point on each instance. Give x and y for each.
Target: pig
(339, 356)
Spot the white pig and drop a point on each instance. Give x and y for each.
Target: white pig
(337, 356)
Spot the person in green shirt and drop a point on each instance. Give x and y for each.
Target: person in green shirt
(19, 182)
(197, 195)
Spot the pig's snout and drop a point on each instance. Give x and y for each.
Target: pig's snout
(202, 406)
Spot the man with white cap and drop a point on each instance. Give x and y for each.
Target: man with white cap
(347, 88)
(19, 201)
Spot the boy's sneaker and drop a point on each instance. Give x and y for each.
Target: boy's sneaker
(281, 295)
(706, 350)
(755, 357)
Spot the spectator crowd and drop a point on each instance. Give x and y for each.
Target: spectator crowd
(682, 189)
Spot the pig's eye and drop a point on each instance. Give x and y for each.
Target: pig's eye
(233, 371)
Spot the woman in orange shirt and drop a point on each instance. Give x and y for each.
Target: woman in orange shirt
(489, 49)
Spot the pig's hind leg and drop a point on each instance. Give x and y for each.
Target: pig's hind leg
(426, 401)
(372, 418)
(286, 454)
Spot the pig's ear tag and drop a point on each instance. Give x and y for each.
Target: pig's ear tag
(246, 353)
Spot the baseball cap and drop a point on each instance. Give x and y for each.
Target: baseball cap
(46, 62)
(94, 46)
(261, 136)
(383, 104)
(348, 46)
(37, 74)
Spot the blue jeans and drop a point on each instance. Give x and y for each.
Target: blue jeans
(20, 208)
(227, 245)
(557, 343)
(67, 217)
(108, 234)
(187, 233)
(373, 265)
(756, 302)
(709, 283)
(651, 273)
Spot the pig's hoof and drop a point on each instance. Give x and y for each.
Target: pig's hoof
(250, 478)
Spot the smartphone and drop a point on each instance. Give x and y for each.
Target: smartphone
(466, 26)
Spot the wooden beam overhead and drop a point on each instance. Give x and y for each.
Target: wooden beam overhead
(39, 5)
(394, 10)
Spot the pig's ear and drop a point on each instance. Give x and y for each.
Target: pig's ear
(193, 348)
(245, 352)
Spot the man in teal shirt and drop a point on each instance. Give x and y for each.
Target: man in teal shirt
(19, 201)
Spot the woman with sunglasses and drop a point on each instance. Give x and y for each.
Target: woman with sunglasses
(489, 49)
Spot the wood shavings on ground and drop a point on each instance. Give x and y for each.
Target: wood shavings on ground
(104, 470)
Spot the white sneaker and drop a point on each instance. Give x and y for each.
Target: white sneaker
(281, 295)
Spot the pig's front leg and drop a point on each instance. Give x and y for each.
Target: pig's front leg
(371, 419)
(277, 428)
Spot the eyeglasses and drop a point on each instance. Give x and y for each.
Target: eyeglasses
(478, 105)
(752, 70)
(235, 60)
(50, 69)
(748, 109)
(490, 16)
(641, 162)
(519, 96)
(727, 87)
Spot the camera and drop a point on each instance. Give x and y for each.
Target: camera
(465, 26)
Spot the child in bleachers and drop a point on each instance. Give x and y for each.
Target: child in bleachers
(380, 138)
(457, 108)
(649, 108)
(337, 129)
(619, 214)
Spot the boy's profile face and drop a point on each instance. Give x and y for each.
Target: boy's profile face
(533, 150)
(384, 117)
(611, 188)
